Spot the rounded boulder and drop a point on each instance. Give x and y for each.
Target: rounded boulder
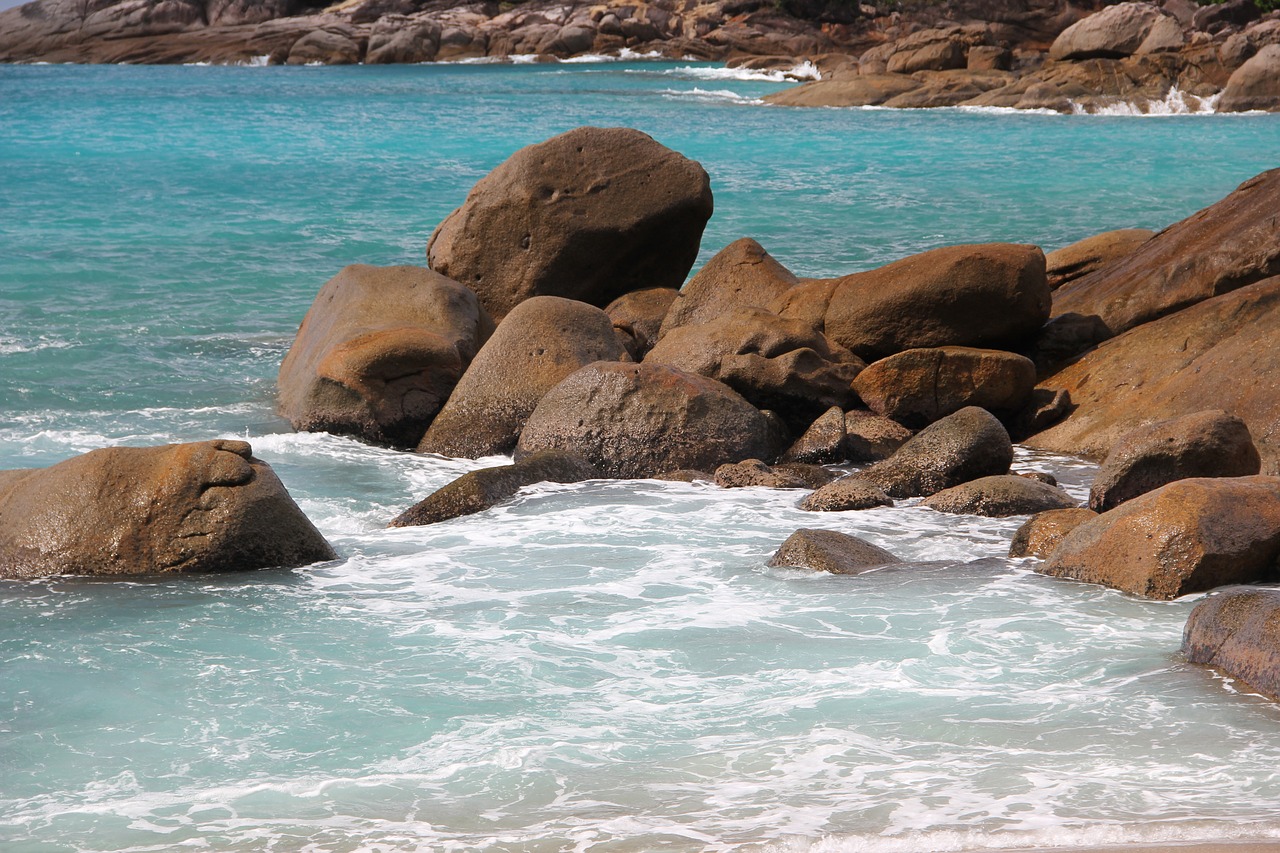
(919, 386)
(1000, 496)
(970, 444)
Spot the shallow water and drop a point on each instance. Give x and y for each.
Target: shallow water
(603, 666)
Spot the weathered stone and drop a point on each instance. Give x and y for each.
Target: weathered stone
(741, 275)
(1092, 253)
(870, 437)
(209, 506)
(930, 50)
(961, 447)
(685, 475)
(379, 352)
(1000, 496)
(637, 317)
(860, 91)
(1115, 31)
(830, 551)
(403, 40)
(322, 46)
(822, 443)
(812, 476)
(590, 214)
(1237, 632)
(850, 492)
(543, 340)
(1041, 533)
(1045, 407)
(637, 420)
(1188, 536)
(918, 386)
(479, 490)
(1254, 85)
(753, 472)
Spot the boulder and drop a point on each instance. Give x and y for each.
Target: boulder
(1254, 85)
(753, 472)
(823, 443)
(776, 363)
(209, 506)
(1204, 444)
(1220, 354)
(813, 476)
(919, 386)
(850, 492)
(325, 47)
(1223, 247)
(1092, 253)
(543, 340)
(379, 352)
(1045, 407)
(395, 39)
(638, 420)
(479, 490)
(1165, 35)
(859, 91)
(987, 57)
(1232, 13)
(1114, 32)
(1000, 496)
(1041, 533)
(741, 275)
(992, 295)
(637, 317)
(830, 551)
(970, 444)
(590, 215)
(930, 50)
(869, 437)
(1188, 536)
(1237, 632)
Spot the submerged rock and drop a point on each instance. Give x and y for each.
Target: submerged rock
(1040, 534)
(1237, 632)
(830, 551)
(850, 492)
(209, 506)
(970, 444)
(1000, 496)
(753, 472)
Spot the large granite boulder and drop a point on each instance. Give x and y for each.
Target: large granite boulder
(590, 214)
(539, 343)
(1254, 85)
(1040, 534)
(822, 442)
(831, 551)
(776, 363)
(639, 420)
(1000, 496)
(993, 295)
(1188, 536)
(379, 352)
(637, 317)
(919, 386)
(209, 506)
(1223, 247)
(1114, 32)
(1203, 444)
(741, 275)
(1220, 354)
(1237, 632)
(970, 444)
(479, 490)
(1092, 253)
(869, 437)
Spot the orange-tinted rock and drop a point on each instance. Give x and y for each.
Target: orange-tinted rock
(741, 275)
(1092, 253)
(1000, 496)
(918, 386)
(637, 317)
(1042, 532)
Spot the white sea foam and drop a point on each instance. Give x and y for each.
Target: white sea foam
(709, 95)
(801, 71)
(14, 346)
(1175, 103)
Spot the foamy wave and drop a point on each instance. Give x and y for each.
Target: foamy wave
(801, 71)
(1176, 103)
(708, 95)
(14, 346)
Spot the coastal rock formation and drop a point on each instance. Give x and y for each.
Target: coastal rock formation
(1237, 632)
(1254, 85)
(831, 551)
(753, 472)
(638, 420)
(1091, 254)
(970, 444)
(993, 295)
(1040, 534)
(479, 490)
(1000, 496)
(918, 386)
(379, 352)
(869, 437)
(1114, 32)
(741, 275)
(1204, 444)
(823, 443)
(850, 492)
(1176, 366)
(590, 214)
(543, 340)
(637, 317)
(1188, 536)
(204, 507)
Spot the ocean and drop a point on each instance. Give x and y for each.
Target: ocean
(605, 666)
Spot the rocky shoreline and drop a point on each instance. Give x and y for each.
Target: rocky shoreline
(1045, 55)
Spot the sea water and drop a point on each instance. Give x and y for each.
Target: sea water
(606, 666)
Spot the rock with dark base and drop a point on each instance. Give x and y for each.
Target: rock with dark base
(204, 507)
(970, 444)
(1042, 532)
(1204, 444)
(850, 492)
(1000, 496)
(479, 490)
(590, 215)
(1116, 31)
(918, 386)
(1237, 632)
(823, 443)
(830, 551)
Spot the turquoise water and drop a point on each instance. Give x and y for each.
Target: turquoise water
(594, 667)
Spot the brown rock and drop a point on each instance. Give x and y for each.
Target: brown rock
(1223, 247)
(590, 214)
(741, 275)
(637, 317)
(1188, 536)
(1254, 85)
(397, 39)
(989, 58)
(862, 91)
(959, 448)
(1091, 254)
(1115, 31)
(637, 420)
(1045, 407)
(379, 353)
(1000, 496)
(918, 386)
(812, 476)
(870, 437)
(479, 490)
(822, 443)
(209, 506)
(323, 46)
(1204, 444)
(931, 50)
(830, 551)
(850, 492)
(1237, 632)
(1041, 533)
(753, 472)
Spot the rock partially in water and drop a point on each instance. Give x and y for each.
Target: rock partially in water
(209, 506)
(590, 214)
(741, 275)
(1040, 534)
(1254, 85)
(1091, 254)
(831, 551)
(379, 352)
(1000, 496)
(753, 472)
(970, 444)
(1189, 536)
(325, 47)
(1204, 444)
(1237, 632)
(851, 492)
